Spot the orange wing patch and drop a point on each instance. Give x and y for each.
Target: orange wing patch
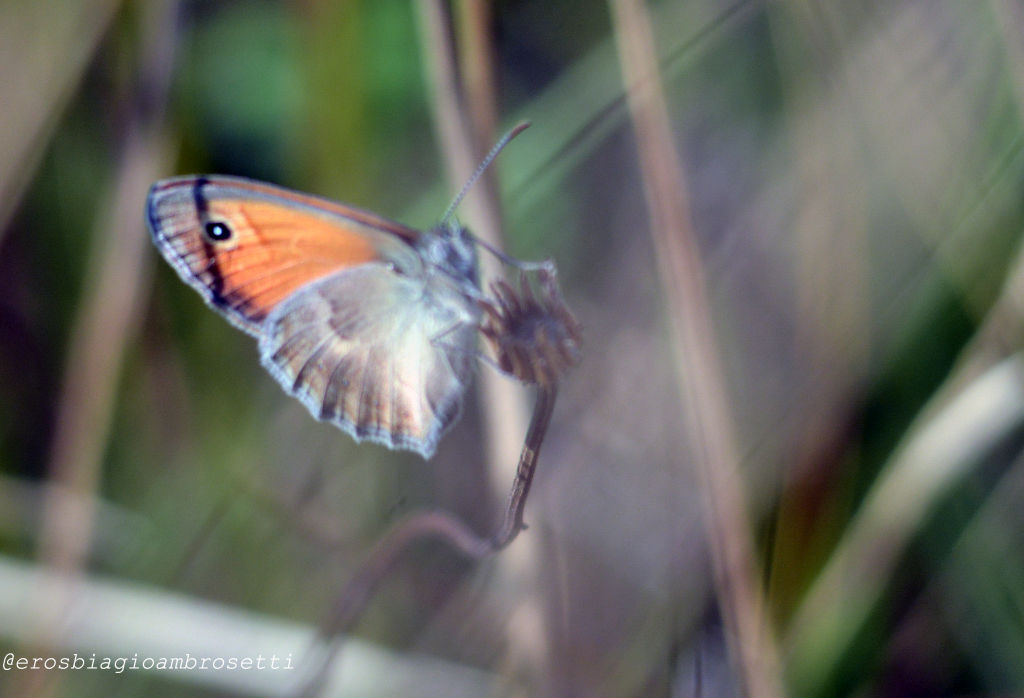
(246, 247)
(273, 251)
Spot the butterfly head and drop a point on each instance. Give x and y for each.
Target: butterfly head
(451, 249)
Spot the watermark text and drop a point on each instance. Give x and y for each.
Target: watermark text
(134, 662)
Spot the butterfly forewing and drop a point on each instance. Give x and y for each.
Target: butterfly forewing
(247, 246)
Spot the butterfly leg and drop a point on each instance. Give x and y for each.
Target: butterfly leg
(439, 340)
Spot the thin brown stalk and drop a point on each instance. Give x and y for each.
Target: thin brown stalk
(707, 414)
(504, 408)
(502, 404)
(102, 330)
(432, 524)
(476, 63)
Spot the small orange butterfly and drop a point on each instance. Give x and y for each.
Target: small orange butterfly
(369, 323)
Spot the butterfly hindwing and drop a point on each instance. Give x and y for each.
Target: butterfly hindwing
(374, 352)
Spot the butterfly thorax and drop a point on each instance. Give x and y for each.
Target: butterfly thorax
(449, 249)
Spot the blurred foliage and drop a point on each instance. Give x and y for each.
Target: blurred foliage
(855, 171)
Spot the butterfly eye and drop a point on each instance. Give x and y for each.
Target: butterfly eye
(218, 232)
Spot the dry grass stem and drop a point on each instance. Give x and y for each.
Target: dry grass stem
(707, 413)
(503, 404)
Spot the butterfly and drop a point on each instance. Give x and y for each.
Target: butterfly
(369, 323)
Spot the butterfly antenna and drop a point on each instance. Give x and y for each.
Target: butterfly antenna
(516, 130)
(545, 264)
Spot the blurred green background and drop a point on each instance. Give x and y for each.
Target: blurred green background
(855, 171)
